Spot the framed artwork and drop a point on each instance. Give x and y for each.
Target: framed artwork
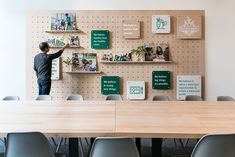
(55, 69)
(63, 22)
(161, 24)
(84, 62)
(189, 27)
(131, 29)
(135, 90)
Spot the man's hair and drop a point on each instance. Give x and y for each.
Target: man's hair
(43, 46)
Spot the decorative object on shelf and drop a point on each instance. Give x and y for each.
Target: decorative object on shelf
(161, 24)
(135, 90)
(107, 57)
(55, 69)
(123, 57)
(84, 62)
(72, 40)
(63, 22)
(166, 52)
(100, 39)
(110, 85)
(189, 27)
(68, 63)
(138, 54)
(148, 49)
(161, 80)
(188, 85)
(131, 29)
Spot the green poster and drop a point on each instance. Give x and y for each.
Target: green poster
(161, 80)
(110, 85)
(100, 39)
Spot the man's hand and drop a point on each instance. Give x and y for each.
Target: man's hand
(65, 46)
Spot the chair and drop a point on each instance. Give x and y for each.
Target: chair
(76, 97)
(33, 144)
(11, 98)
(161, 98)
(215, 146)
(193, 98)
(44, 98)
(114, 147)
(225, 98)
(114, 97)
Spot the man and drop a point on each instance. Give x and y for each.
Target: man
(42, 67)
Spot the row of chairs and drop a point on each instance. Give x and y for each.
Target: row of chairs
(35, 144)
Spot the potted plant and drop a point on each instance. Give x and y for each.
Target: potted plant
(68, 63)
(138, 54)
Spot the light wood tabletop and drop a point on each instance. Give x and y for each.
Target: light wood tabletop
(175, 119)
(58, 119)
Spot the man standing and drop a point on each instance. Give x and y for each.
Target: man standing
(42, 67)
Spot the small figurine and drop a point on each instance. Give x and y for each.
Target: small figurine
(159, 50)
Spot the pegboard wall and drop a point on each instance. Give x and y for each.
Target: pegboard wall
(187, 56)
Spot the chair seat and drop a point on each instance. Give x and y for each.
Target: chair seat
(58, 155)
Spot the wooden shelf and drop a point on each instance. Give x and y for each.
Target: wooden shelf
(83, 72)
(133, 62)
(58, 47)
(55, 31)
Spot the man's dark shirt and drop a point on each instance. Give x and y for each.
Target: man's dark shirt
(43, 63)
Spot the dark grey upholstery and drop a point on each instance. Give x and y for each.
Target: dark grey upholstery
(32, 144)
(215, 146)
(225, 98)
(114, 147)
(161, 98)
(193, 98)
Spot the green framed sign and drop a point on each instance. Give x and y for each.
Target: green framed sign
(100, 39)
(161, 80)
(110, 85)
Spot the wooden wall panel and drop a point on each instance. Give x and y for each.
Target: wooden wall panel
(187, 55)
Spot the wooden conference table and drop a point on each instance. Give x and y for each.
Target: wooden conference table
(174, 119)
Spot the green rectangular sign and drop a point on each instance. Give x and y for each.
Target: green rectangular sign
(100, 39)
(161, 80)
(110, 85)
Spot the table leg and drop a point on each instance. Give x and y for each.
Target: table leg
(156, 147)
(73, 147)
(138, 144)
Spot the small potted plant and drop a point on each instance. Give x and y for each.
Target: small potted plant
(68, 63)
(138, 54)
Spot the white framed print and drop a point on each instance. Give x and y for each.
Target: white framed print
(188, 85)
(135, 90)
(161, 23)
(55, 69)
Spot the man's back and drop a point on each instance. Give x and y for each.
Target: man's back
(42, 66)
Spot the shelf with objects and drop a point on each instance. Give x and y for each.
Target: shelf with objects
(83, 72)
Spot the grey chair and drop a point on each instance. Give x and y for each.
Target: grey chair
(75, 97)
(11, 98)
(161, 98)
(193, 98)
(32, 144)
(44, 98)
(225, 98)
(215, 146)
(114, 97)
(114, 147)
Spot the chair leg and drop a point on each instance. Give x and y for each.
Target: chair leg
(182, 145)
(186, 143)
(59, 144)
(53, 140)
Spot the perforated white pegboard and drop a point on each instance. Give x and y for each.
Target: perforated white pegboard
(187, 55)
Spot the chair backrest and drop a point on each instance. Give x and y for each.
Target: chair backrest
(215, 146)
(193, 98)
(76, 97)
(44, 97)
(11, 98)
(161, 98)
(114, 147)
(225, 98)
(114, 97)
(32, 144)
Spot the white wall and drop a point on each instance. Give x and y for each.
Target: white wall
(220, 37)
